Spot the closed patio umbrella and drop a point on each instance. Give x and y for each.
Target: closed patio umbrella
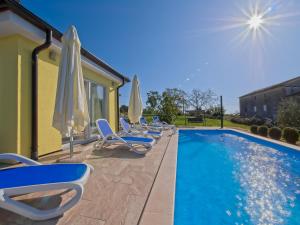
(71, 112)
(135, 109)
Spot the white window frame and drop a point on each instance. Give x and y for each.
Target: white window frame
(265, 107)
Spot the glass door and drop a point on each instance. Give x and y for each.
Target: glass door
(97, 108)
(97, 104)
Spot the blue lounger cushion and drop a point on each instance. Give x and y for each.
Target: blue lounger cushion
(154, 132)
(103, 125)
(139, 139)
(42, 174)
(136, 139)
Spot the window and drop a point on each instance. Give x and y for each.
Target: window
(288, 90)
(265, 108)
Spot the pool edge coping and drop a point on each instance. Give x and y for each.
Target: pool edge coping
(160, 207)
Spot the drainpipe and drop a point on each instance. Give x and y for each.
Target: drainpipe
(222, 115)
(34, 88)
(118, 104)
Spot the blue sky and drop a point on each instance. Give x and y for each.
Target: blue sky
(185, 44)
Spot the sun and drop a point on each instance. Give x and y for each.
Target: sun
(255, 22)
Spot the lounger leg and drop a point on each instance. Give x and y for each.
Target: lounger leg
(147, 149)
(99, 144)
(36, 214)
(174, 130)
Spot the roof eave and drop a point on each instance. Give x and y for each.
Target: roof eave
(281, 84)
(41, 24)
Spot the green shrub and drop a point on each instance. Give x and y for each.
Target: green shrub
(275, 133)
(262, 131)
(291, 135)
(253, 129)
(288, 114)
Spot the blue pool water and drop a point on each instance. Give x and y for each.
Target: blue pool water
(225, 177)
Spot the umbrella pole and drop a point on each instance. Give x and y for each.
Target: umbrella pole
(71, 143)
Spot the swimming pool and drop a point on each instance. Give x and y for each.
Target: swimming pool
(227, 177)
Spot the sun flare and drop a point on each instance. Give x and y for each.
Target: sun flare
(255, 22)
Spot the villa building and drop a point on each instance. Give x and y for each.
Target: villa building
(264, 102)
(29, 60)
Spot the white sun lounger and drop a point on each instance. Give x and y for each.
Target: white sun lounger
(107, 136)
(144, 124)
(36, 177)
(128, 130)
(158, 122)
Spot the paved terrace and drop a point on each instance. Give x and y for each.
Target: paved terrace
(115, 194)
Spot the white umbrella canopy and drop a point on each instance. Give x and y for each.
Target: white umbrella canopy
(135, 109)
(71, 111)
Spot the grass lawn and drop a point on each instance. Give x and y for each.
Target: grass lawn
(180, 121)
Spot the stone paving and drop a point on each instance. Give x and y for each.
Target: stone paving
(115, 194)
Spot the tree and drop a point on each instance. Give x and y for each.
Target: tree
(288, 114)
(153, 101)
(202, 100)
(215, 111)
(180, 98)
(124, 109)
(168, 109)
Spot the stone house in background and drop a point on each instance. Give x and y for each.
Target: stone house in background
(264, 102)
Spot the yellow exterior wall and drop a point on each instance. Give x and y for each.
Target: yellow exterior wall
(15, 89)
(49, 138)
(8, 94)
(24, 90)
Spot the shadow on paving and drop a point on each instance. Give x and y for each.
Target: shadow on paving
(121, 152)
(43, 202)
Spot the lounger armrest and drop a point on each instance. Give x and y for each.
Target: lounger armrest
(133, 132)
(2, 198)
(120, 133)
(136, 131)
(19, 158)
(112, 136)
(117, 137)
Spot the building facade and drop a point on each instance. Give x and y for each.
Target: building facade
(20, 33)
(264, 102)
